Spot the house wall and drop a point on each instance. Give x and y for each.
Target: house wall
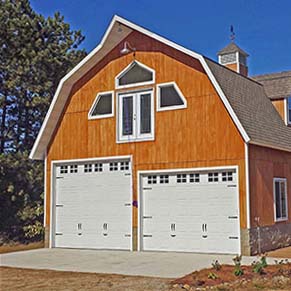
(265, 165)
(203, 135)
(280, 106)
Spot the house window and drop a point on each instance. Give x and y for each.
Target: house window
(136, 74)
(170, 97)
(280, 199)
(103, 106)
(136, 116)
(228, 58)
(289, 110)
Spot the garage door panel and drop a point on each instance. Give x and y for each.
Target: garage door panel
(93, 205)
(201, 206)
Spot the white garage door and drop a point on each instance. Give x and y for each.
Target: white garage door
(191, 211)
(93, 205)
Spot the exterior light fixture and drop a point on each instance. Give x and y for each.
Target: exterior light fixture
(127, 48)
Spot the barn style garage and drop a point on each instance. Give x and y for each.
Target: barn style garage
(150, 146)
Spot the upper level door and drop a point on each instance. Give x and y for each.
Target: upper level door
(136, 116)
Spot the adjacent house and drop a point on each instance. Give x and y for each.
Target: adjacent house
(151, 146)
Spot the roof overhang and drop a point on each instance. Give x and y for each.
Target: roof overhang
(118, 30)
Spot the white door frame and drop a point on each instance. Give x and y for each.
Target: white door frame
(136, 136)
(141, 173)
(55, 163)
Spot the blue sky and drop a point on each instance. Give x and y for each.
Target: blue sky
(262, 27)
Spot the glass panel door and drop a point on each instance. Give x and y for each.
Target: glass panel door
(126, 116)
(145, 113)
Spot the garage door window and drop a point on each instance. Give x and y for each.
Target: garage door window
(98, 167)
(73, 169)
(213, 177)
(280, 199)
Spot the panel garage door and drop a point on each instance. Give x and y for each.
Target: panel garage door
(191, 211)
(93, 205)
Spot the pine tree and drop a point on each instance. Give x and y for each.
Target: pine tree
(35, 53)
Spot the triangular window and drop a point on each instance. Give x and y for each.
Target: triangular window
(170, 97)
(136, 74)
(102, 106)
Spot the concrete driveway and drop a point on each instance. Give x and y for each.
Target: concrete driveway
(156, 264)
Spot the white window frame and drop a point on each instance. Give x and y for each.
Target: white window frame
(274, 197)
(90, 116)
(287, 114)
(136, 136)
(124, 71)
(175, 107)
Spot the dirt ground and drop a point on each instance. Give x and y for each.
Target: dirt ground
(281, 253)
(45, 280)
(20, 247)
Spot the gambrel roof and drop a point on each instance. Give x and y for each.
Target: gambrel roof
(117, 31)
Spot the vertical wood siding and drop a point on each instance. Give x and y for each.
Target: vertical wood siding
(203, 135)
(265, 165)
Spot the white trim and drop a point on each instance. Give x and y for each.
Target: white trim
(247, 171)
(174, 107)
(45, 191)
(140, 174)
(286, 117)
(125, 70)
(274, 197)
(269, 146)
(287, 114)
(237, 61)
(96, 100)
(38, 153)
(53, 190)
(135, 137)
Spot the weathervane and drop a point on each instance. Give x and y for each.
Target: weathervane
(232, 34)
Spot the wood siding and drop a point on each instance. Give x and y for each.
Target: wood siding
(265, 165)
(280, 106)
(203, 135)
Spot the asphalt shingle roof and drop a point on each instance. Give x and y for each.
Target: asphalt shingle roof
(232, 48)
(253, 108)
(277, 85)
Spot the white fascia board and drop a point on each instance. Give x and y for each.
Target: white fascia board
(33, 154)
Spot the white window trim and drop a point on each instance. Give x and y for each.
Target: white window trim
(175, 107)
(287, 115)
(91, 117)
(136, 137)
(117, 86)
(274, 197)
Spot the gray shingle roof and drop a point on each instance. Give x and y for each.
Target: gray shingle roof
(232, 48)
(277, 85)
(254, 110)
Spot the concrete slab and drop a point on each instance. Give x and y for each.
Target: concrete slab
(155, 264)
